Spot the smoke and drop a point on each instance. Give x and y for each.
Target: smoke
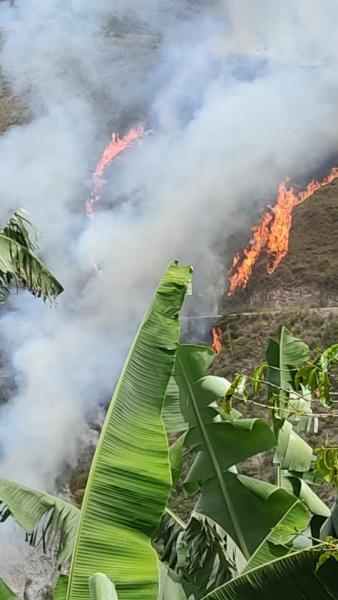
(236, 95)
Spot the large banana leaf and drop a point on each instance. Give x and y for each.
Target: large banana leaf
(246, 508)
(5, 592)
(46, 519)
(250, 511)
(293, 577)
(130, 479)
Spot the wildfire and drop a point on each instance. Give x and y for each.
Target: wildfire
(216, 343)
(112, 150)
(273, 232)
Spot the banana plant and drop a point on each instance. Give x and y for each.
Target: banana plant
(19, 264)
(221, 441)
(130, 479)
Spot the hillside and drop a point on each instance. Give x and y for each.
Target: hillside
(307, 277)
(301, 294)
(12, 111)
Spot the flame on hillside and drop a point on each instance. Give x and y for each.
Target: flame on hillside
(115, 147)
(216, 342)
(273, 232)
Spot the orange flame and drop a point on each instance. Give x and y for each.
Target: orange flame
(273, 232)
(216, 344)
(112, 150)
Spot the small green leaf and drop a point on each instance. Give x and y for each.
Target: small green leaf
(328, 357)
(238, 388)
(327, 464)
(257, 378)
(324, 388)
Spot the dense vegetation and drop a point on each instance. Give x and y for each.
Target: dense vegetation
(245, 536)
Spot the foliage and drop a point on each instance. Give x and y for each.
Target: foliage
(221, 442)
(18, 263)
(291, 379)
(60, 590)
(327, 464)
(198, 552)
(46, 519)
(129, 480)
(245, 536)
(293, 577)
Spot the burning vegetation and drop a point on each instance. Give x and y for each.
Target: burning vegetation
(273, 232)
(216, 343)
(115, 147)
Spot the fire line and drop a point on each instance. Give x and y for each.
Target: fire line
(216, 342)
(273, 232)
(115, 147)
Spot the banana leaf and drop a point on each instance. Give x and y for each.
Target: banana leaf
(293, 577)
(283, 356)
(18, 263)
(280, 540)
(47, 520)
(250, 511)
(101, 588)
(199, 552)
(19, 229)
(130, 480)
(292, 452)
(226, 496)
(170, 587)
(6, 593)
(330, 527)
(172, 414)
(176, 459)
(302, 490)
(60, 590)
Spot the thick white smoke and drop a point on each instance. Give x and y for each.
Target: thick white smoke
(237, 93)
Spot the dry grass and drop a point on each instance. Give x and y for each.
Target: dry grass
(12, 111)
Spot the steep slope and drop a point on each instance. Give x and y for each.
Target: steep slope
(307, 277)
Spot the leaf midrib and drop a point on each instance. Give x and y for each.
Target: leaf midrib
(214, 462)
